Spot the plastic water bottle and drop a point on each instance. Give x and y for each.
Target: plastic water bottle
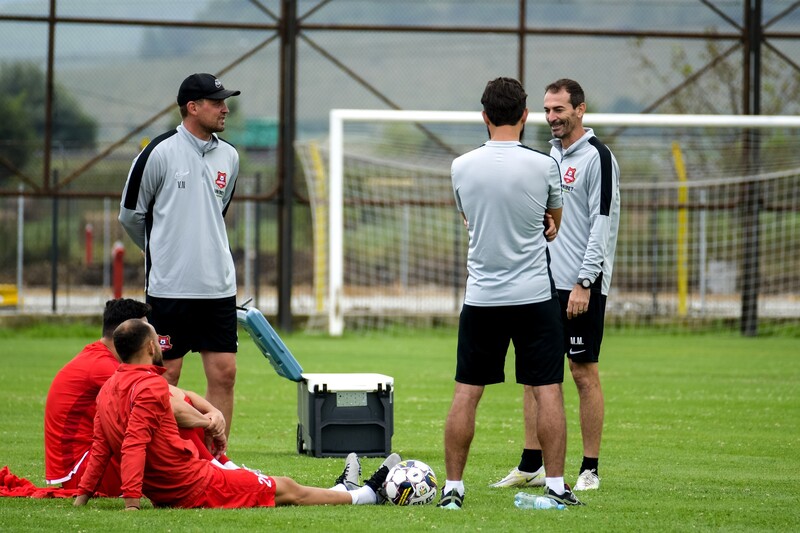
(523, 500)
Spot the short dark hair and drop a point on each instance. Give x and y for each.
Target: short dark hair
(119, 310)
(573, 88)
(130, 336)
(504, 101)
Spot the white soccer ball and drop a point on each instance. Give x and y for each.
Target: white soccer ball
(410, 483)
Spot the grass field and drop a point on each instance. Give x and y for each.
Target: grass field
(701, 433)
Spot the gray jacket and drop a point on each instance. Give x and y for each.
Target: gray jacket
(173, 207)
(587, 238)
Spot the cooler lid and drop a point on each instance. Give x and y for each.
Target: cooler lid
(348, 382)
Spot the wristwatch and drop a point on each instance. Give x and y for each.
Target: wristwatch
(586, 283)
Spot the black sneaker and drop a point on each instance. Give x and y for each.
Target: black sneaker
(568, 498)
(379, 477)
(351, 473)
(452, 500)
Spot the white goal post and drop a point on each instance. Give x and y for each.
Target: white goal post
(339, 118)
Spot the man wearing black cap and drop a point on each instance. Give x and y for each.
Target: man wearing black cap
(173, 207)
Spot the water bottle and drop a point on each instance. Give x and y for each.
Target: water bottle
(523, 500)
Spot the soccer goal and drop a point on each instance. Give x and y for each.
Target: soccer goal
(709, 230)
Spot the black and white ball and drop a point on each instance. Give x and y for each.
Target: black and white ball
(410, 482)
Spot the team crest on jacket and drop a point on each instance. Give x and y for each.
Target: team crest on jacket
(569, 175)
(222, 179)
(164, 342)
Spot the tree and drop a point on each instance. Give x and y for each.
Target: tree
(17, 138)
(22, 106)
(27, 83)
(719, 91)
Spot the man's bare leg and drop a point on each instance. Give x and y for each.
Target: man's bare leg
(220, 369)
(552, 428)
(592, 406)
(289, 492)
(460, 429)
(173, 373)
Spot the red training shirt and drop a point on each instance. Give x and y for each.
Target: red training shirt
(135, 422)
(70, 409)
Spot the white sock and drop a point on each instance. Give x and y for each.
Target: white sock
(457, 485)
(364, 496)
(339, 488)
(556, 484)
(230, 465)
(216, 463)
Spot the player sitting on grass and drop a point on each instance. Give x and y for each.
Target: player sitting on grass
(134, 422)
(71, 406)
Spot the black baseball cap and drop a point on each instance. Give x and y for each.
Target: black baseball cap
(203, 85)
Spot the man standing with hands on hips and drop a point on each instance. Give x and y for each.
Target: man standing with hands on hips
(173, 207)
(582, 261)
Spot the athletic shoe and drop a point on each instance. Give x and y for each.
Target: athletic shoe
(352, 470)
(568, 498)
(518, 478)
(379, 477)
(452, 500)
(588, 480)
(253, 470)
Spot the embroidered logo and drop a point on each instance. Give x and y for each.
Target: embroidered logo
(222, 179)
(164, 342)
(180, 178)
(569, 175)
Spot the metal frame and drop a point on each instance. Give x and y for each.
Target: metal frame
(289, 25)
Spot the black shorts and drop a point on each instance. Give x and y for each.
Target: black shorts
(485, 332)
(195, 325)
(583, 334)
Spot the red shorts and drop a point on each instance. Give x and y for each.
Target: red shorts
(197, 436)
(235, 489)
(110, 484)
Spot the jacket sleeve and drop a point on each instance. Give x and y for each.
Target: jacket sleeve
(228, 197)
(554, 198)
(138, 196)
(602, 186)
(149, 404)
(99, 457)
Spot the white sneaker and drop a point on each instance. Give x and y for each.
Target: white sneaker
(351, 473)
(588, 480)
(517, 478)
(378, 479)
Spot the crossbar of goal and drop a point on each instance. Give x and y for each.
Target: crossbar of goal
(338, 118)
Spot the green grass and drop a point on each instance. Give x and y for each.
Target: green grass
(701, 433)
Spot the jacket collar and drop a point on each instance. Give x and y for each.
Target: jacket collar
(202, 147)
(150, 369)
(577, 145)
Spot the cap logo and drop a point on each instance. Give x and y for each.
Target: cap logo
(217, 83)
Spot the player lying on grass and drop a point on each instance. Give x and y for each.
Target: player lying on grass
(134, 422)
(71, 406)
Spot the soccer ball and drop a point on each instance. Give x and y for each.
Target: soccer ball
(410, 483)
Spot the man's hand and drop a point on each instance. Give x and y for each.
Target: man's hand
(81, 500)
(216, 441)
(578, 301)
(550, 230)
(216, 423)
(217, 444)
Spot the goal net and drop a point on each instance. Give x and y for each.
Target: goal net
(709, 231)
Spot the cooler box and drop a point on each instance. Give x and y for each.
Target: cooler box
(343, 413)
(337, 413)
